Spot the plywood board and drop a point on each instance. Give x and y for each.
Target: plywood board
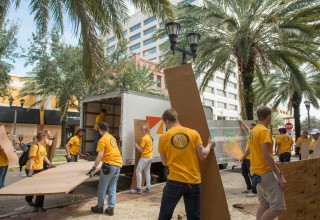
(316, 150)
(7, 147)
(304, 150)
(60, 180)
(185, 99)
(302, 192)
(52, 150)
(138, 137)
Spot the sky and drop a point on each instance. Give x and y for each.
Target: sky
(22, 17)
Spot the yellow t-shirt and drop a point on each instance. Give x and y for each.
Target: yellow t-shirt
(75, 144)
(100, 118)
(312, 144)
(3, 158)
(147, 145)
(302, 140)
(285, 142)
(247, 147)
(258, 136)
(179, 144)
(39, 153)
(111, 154)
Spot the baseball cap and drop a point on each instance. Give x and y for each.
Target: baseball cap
(315, 131)
(80, 129)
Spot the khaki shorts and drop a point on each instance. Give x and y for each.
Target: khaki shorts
(269, 192)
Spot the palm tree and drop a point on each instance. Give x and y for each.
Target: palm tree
(90, 18)
(250, 36)
(284, 87)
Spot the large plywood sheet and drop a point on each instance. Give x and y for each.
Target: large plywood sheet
(60, 180)
(185, 99)
(316, 150)
(302, 192)
(138, 137)
(7, 147)
(304, 150)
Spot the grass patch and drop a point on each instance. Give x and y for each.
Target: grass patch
(59, 158)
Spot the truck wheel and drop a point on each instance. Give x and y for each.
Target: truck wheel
(163, 173)
(223, 166)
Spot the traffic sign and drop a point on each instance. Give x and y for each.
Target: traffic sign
(289, 126)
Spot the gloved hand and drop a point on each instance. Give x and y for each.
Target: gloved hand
(91, 172)
(30, 172)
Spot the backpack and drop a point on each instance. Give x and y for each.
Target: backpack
(24, 157)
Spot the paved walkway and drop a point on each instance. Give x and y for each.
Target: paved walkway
(146, 206)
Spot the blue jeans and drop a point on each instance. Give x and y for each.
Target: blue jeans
(3, 173)
(245, 169)
(172, 193)
(285, 157)
(96, 137)
(108, 184)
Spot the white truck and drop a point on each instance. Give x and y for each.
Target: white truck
(122, 108)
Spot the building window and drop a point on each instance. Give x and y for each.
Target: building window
(221, 93)
(219, 80)
(222, 105)
(232, 85)
(208, 102)
(110, 49)
(186, 2)
(110, 40)
(209, 89)
(233, 118)
(233, 107)
(150, 51)
(232, 96)
(136, 27)
(150, 30)
(159, 81)
(134, 47)
(149, 41)
(148, 21)
(135, 37)
(221, 118)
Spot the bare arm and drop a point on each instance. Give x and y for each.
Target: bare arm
(47, 160)
(98, 159)
(245, 154)
(31, 163)
(138, 147)
(272, 165)
(203, 152)
(163, 159)
(68, 150)
(277, 147)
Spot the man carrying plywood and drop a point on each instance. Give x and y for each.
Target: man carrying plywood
(180, 149)
(266, 176)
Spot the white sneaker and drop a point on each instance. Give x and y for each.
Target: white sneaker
(246, 191)
(251, 194)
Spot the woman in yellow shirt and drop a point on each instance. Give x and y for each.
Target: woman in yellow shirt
(37, 155)
(145, 161)
(284, 145)
(3, 165)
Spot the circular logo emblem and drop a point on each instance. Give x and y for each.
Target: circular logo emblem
(113, 143)
(180, 141)
(285, 139)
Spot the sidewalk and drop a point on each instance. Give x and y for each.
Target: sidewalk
(146, 206)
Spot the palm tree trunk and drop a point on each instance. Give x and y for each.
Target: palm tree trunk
(63, 132)
(296, 113)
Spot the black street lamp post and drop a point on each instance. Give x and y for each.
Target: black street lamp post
(15, 109)
(307, 104)
(173, 29)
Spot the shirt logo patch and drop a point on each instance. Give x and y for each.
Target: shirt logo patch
(113, 143)
(285, 139)
(180, 141)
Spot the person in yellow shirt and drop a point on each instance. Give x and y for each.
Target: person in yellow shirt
(245, 169)
(315, 133)
(109, 154)
(284, 145)
(48, 145)
(37, 155)
(181, 149)
(3, 165)
(73, 146)
(266, 176)
(96, 134)
(145, 161)
(304, 138)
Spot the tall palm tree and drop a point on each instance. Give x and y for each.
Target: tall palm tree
(250, 36)
(284, 87)
(90, 18)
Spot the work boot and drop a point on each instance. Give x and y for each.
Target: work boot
(109, 211)
(96, 209)
(31, 204)
(147, 190)
(136, 191)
